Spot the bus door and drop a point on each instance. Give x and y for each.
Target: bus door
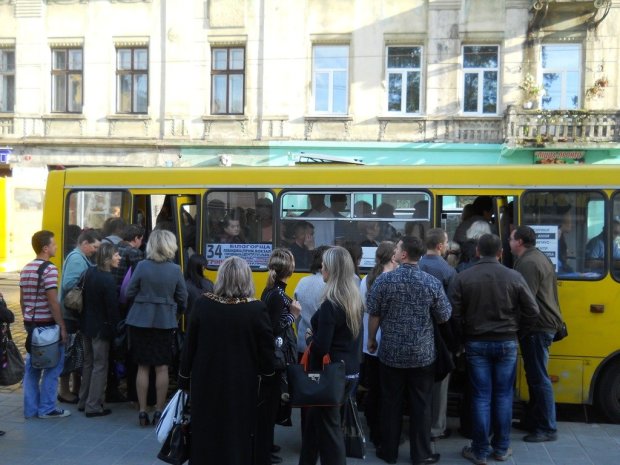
(173, 212)
(186, 221)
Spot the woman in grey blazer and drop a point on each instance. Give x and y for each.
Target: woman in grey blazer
(158, 291)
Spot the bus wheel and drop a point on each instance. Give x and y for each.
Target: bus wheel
(608, 392)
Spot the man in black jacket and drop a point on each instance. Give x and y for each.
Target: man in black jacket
(493, 303)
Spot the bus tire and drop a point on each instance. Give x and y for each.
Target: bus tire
(608, 392)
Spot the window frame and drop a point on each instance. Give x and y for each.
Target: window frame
(403, 73)
(563, 71)
(7, 106)
(132, 72)
(228, 72)
(66, 72)
(206, 233)
(522, 205)
(330, 86)
(352, 193)
(479, 71)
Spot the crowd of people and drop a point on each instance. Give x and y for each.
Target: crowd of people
(386, 327)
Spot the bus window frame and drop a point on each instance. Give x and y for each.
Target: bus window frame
(205, 218)
(352, 218)
(67, 208)
(606, 216)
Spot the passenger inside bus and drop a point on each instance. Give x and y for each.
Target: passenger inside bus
(323, 230)
(231, 230)
(264, 220)
(216, 211)
(597, 246)
(302, 243)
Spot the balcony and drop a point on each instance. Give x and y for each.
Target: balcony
(561, 127)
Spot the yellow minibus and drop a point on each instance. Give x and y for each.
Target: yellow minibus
(224, 211)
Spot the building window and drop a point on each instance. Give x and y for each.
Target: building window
(227, 80)
(67, 80)
(561, 76)
(132, 80)
(480, 74)
(403, 73)
(330, 78)
(7, 80)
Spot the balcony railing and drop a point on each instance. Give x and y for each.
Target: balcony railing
(535, 127)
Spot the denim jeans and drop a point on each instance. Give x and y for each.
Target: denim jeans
(41, 386)
(535, 353)
(492, 367)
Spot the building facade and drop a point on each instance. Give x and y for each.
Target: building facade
(157, 82)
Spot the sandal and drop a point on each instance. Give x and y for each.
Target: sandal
(156, 417)
(143, 418)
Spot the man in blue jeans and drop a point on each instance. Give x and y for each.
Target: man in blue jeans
(38, 286)
(492, 303)
(539, 273)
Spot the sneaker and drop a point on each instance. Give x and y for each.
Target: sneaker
(541, 437)
(502, 457)
(56, 413)
(468, 453)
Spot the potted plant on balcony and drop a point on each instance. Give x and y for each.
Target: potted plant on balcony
(531, 91)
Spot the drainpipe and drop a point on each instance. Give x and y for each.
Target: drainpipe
(260, 80)
(162, 87)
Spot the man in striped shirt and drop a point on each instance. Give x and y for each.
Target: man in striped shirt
(38, 285)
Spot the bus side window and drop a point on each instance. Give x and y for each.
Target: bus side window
(239, 223)
(90, 210)
(567, 225)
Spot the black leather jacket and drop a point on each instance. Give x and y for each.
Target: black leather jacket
(492, 302)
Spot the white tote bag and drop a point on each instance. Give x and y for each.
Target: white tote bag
(45, 347)
(173, 413)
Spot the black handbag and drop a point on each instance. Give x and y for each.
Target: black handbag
(444, 362)
(561, 333)
(176, 447)
(319, 388)
(354, 439)
(74, 354)
(11, 361)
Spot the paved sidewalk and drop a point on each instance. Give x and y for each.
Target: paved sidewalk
(118, 440)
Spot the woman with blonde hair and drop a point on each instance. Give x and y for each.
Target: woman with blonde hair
(337, 331)
(158, 290)
(228, 348)
(282, 311)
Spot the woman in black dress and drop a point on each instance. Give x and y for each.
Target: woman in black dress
(228, 349)
(337, 331)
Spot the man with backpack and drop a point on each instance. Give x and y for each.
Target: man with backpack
(76, 263)
(38, 299)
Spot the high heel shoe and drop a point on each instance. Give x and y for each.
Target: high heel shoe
(156, 417)
(143, 418)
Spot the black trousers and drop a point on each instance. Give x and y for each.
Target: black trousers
(322, 436)
(372, 404)
(268, 403)
(418, 383)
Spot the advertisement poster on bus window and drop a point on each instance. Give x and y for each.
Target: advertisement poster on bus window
(257, 255)
(368, 257)
(547, 241)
